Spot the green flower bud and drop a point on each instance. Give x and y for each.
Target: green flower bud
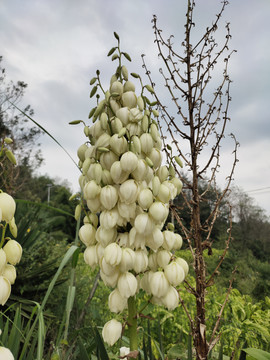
(11, 157)
(8, 140)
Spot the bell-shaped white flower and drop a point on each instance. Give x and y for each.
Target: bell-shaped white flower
(136, 240)
(141, 261)
(141, 170)
(128, 260)
(129, 162)
(163, 257)
(13, 252)
(156, 157)
(91, 190)
(143, 224)
(174, 273)
(118, 145)
(163, 173)
(3, 260)
(124, 351)
(108, 218)
(110, 280)
(8, 206)
(125, 210)
(155, 239)
(105, 236)
(146, 143)
(169, 240)
(108, 197)
(135, 115)
(183, 264)
(145, 198)
(129, 99)
(87, 234)
(90, 256)
(178, 241)
(113, 254)
(94, 205)
(123, 115)
(117, 87)
(164, 193)
(145, 281)
(127, 284)
(95, 172)
(9, 272)
(117, 302)
(128, 191)
(171, 299)
(103, 140)
(5, 289)
(158, 211)
(178, 184)
(107, 159)
(5, 354)
(159, 285)
(112, 331)
(118, 175)
(152, 261)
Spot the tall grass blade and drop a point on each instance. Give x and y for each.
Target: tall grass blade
(102, 353)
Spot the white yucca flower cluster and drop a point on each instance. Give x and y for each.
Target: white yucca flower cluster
(10, 250)
(127, 191)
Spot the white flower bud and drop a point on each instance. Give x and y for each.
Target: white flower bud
(90, 256)
(13, 227)
(128, 191)
(127, 284)
(5, 289)
(106, 177)
(128, 260)
(171, 299)
(123, 115)
(129, 99)
(13, 252)
(100, 251)
(145, 282)
(140, 103)
(8, 207)
(136, 240)
(184, 265)
(123, 239)
(114, 105)
(163, 258)
(96, 130)
(113, 254)
(146, 143)
(87, 234)
(117, 303)
(159, 284)
(163, 173)
(91, 190)
(134, 129)
(156, 186)
(105, 236)
(141, 261)
(108, 218)
(169, 240)
(141, 170)
(3, 260)
(108, 197)
(118, 174)
(116, 125)
(6, 354)
(172, 188)
(118, 145)
(158, 211)
(143, 224)
(174, 273)
(145, 198)
(129, 162)
(106, 268)
(95, 172)
(112, 332)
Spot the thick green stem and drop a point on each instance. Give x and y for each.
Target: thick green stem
(132, 324)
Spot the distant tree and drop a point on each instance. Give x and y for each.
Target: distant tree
(15, 125)
(197, 117)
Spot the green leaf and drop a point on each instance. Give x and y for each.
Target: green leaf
(75, 258)
(83, 352)
(101, 346)
(258, 354)
(175, 352)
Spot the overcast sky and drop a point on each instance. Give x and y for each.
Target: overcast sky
(56, 47)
